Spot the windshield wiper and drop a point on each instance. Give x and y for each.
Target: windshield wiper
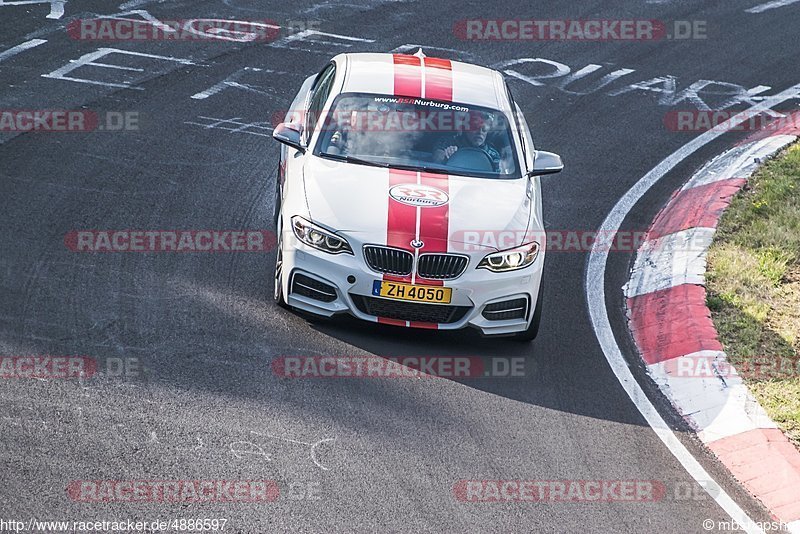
(434, 170)
(421, 168)
(351, 159)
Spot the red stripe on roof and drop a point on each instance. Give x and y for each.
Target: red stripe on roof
(407, 76)
(438, 79)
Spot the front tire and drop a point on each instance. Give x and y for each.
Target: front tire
(276, 206)
(531, 332)
(277, 293)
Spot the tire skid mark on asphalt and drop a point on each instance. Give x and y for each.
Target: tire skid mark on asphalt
(236, 306)
(594, 287)
(250, 214)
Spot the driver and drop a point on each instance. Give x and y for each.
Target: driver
(344, 120)
(473, 136)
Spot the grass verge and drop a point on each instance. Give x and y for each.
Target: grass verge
(753, 284)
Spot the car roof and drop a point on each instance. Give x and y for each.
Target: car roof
(420, 76)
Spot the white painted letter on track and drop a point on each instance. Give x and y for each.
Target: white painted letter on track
(90, 60)
(56, 6)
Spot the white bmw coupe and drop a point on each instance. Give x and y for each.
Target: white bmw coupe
(408, 194)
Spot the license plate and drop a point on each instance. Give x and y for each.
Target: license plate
(399, 291)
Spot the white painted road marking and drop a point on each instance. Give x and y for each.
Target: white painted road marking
(89, 60)
(233, 81)
(760, 8)
(596, 301)
(703, 94)
(235, 125)
(56, 6)
(21, 48)
(132, 4)
(410, 48)
(333, 39)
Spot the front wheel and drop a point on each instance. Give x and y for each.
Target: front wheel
(530, 333)
(277, 294)
(276, 206)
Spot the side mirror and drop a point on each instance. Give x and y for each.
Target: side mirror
(289, 134)
(546, 163)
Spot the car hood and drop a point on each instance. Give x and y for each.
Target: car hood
(392, 207)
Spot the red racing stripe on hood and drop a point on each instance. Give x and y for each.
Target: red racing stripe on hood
(401, 223)
(434, 222)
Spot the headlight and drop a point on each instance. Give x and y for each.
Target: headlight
(319, 238)
(512, 259)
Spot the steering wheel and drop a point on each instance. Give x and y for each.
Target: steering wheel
(471, 158)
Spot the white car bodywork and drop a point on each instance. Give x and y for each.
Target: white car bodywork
(368, 206)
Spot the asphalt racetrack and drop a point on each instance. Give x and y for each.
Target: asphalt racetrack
(184, 342)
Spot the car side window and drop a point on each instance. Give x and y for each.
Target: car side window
(525, 138)
(296, 112)
(320, 92)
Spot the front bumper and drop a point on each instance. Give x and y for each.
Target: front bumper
(472, 292)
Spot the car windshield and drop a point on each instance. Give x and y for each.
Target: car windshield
(419, 134)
